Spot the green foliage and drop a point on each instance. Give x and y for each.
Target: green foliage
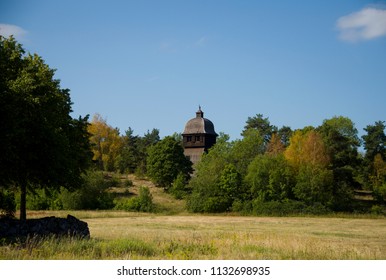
(92, 195)
(179, 189)
(380, 192)
(129, 157)
(200, 203)
(141, 203)
(205, 184)
(231, 183)
(149, 139)
(42, 146)
(285, 208)
(374, 144)
(7, 203)
(377, 210)
(270, 178)
(375, 140)
(262, 125)
(314, 185)
(244, 151)
(134, 151)
(341, 139)
(165, 161)
(43, 199)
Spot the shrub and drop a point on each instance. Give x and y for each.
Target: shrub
(141, 203)
(92, 195)
(287, 207)
(128, 183)
(377, 210)
(7, 203)
(40, 200)
(199, 203)
(179, 187)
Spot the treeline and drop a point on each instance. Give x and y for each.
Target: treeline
(119, 153)
(268, 170)
(309, 170)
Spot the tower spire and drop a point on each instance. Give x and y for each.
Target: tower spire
(199, 113)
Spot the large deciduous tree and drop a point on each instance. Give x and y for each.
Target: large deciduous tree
(41, 144)
(307, 154)
(165, 161)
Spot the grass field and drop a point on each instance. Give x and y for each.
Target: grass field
(122, 235)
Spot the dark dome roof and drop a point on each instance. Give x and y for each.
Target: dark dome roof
(199, 125)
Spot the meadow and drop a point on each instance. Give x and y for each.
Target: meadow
(129, 235)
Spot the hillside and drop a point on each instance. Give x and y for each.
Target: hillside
(164, 202)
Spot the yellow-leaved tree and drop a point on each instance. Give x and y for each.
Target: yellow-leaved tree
(106, 143)
(307, 154)
(307, 147)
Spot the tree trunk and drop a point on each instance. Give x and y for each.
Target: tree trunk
(23, 202)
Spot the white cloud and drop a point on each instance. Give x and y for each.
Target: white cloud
(367, 24)
(7, 30)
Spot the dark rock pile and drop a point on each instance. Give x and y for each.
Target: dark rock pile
(12, 229)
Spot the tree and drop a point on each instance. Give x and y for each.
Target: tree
(374, 144)
(149, 139)
(285, 133)
(41, 144)
(205, 184)
(270, 178)
(375, 140)
(308, 156)
(106, 143)
(129, 156)
(314, 185)
(379, 177)
(245, 150)
(275, 145)
(165, 161)
(231, 183)
(307, 147)
(262, 125)
(341, 140)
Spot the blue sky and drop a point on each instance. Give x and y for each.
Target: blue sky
(150, 64)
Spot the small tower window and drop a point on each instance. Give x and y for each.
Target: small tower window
(198, 139)
(189, 138)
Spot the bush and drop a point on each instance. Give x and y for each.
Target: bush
(7, 203)
(92, 195)
(128, 183)
(287, 207)
(199, 203)
(377, 210)
(141, 203)
(40, 200)
(179, 188)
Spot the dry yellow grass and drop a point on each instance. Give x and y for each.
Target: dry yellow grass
(227, 237)
(123, 235)
(176, 234)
